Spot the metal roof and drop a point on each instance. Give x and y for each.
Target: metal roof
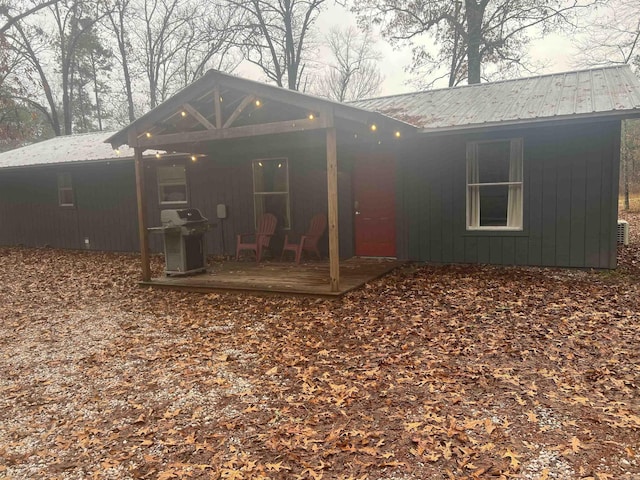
(588, 93)
(85, 147)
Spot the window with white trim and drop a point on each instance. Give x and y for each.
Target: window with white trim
(172, 184)
(65, 190)
(494, 185)
(271, 189)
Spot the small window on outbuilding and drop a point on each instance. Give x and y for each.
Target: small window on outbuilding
(494, 185)
(271, 189)
(65, 190)
(172, 184)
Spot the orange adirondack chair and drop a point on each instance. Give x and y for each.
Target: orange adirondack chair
(309, 241)
(262, 237)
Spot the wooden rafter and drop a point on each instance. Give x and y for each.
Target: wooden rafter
(217, 106)
(198, 116)
(288, 126)
(239, 109)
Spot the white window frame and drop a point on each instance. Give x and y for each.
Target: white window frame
(255, 164)
(515, 207)
(65, 184)
(172, 183)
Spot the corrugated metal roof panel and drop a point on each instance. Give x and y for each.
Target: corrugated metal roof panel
(66, 149)
(601, 91)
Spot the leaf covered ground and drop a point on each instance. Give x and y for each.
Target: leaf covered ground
(430, 372)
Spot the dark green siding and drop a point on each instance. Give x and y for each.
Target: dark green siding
(570, 199)
(104, 210)
(227, 178)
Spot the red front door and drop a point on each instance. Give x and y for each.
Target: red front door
(374, 182)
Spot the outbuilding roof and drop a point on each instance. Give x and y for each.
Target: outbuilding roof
(596, 92)
(83, 147)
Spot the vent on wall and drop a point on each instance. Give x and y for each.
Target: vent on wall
(623, 232)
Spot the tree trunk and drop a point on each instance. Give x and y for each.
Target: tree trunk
(66, 99)
(456, 41)
(474, 12)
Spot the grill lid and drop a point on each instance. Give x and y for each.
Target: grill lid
(180, 217)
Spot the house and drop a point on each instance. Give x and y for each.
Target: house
(517, 172)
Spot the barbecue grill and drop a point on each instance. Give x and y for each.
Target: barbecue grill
(183, 232)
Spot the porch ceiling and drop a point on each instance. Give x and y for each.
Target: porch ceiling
(220, 107)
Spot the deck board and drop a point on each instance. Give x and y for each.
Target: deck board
(310, 278)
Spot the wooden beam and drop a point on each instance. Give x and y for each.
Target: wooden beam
(198, 116)
(142, 215)
(239, 109)
(288, 126)
(332, 203)
(217, 106)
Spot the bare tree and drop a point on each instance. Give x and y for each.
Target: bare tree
(470, 34)
(30, 43)
(214, 30)
(353, 72)
(277, 37)
(13, 18)
(67, 24)
(179, 39)
(612, 36)
(118, 16)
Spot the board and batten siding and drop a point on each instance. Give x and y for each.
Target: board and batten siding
(570, 200)
(226, 177)
(104, 210)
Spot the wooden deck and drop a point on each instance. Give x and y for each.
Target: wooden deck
(310, 278)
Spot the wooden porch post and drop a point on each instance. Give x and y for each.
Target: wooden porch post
(332, 203)
(142, 215)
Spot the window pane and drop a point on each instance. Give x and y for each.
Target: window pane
(277, 204)
(493, 162)
(172, 174)
(172, 184)
(64, 180)
(494, 201)
(270, 175)
(173, 193)
(66, 196)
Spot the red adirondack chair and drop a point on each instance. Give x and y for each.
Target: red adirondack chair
(309, 241)
(262, 236)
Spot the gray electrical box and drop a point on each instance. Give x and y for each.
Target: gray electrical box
(221, 211)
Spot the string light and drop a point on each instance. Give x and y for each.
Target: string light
(260, 164)
(397, 134)
(117, 151)
(311, 116)
(148, 134)
(194, 158)
(374, 127)
(158, 155)
(258, 103)
(183, 113)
